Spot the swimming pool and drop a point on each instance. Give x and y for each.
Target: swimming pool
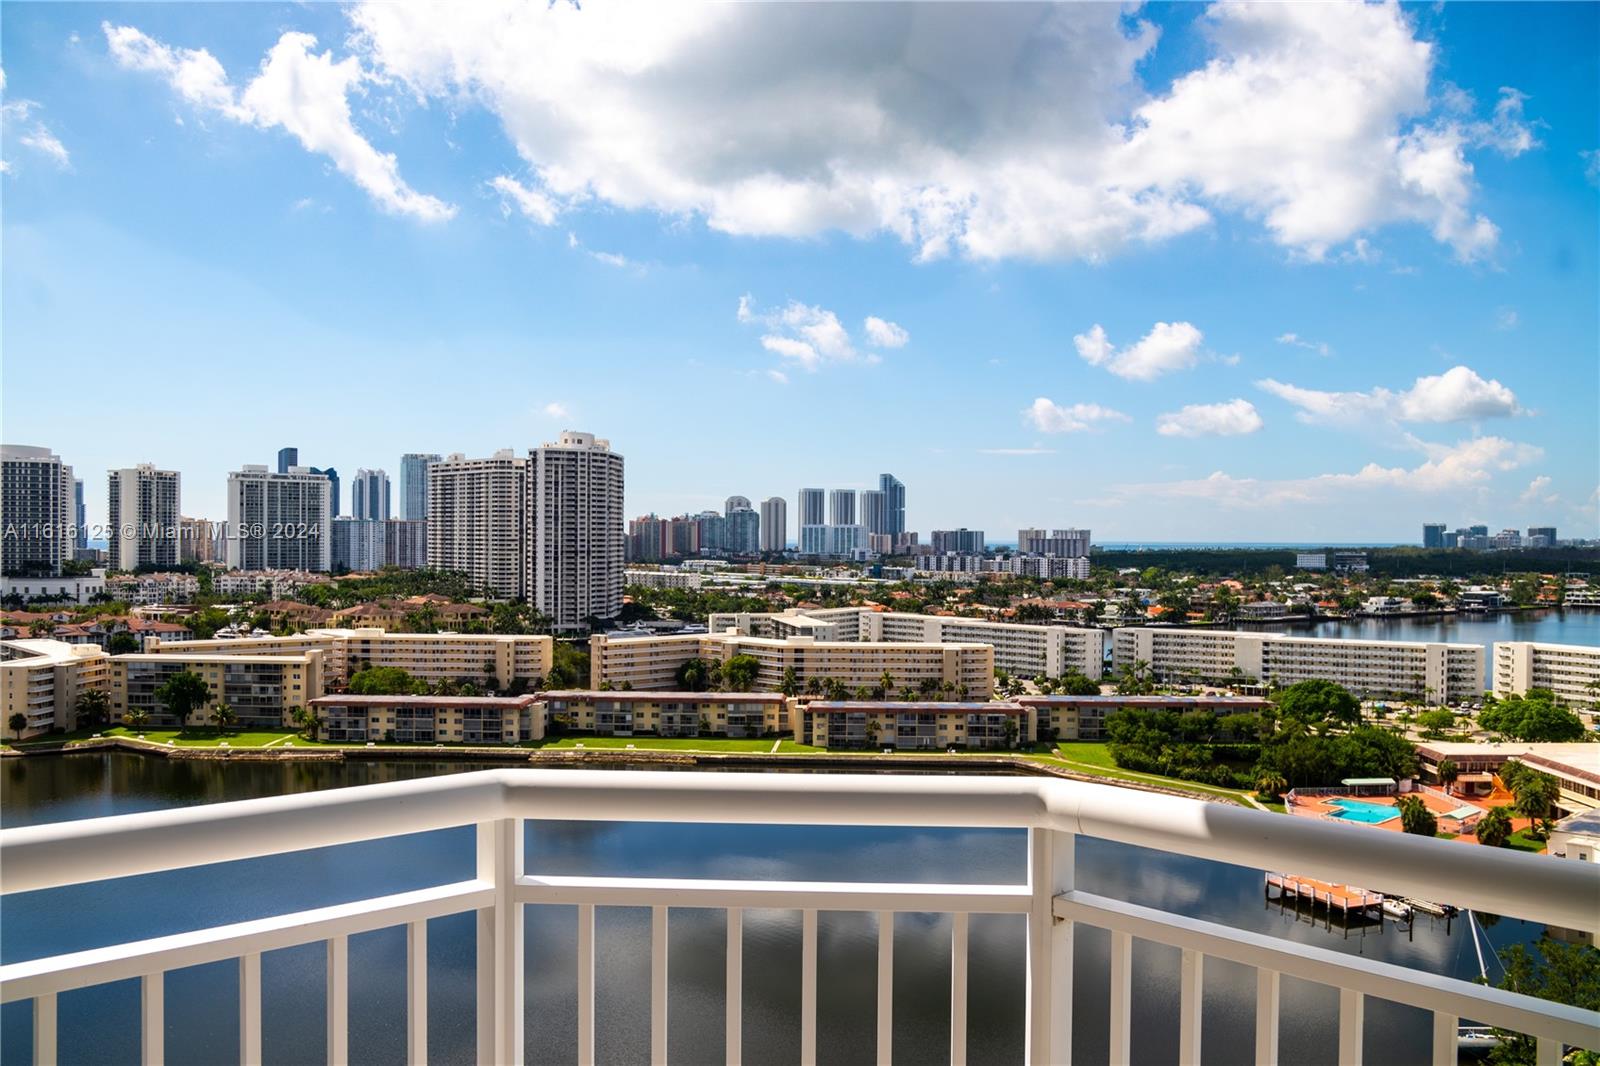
(1358, 811)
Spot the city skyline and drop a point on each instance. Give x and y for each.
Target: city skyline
(1211, 354)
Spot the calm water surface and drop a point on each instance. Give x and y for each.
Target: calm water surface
(100, 1025)
(1552, 627)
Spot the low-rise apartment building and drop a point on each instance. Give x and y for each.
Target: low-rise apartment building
(667, 714)
(1575, 766)
(913, 725)
(1021, 649)
(42, 680)
(1571, 671)
(262, 690)
(651, 663)
(1084, 717)
(429, 719)
(1368, 668)
(494, 660)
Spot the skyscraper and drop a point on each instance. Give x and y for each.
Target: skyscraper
(288, 457)
(1433, 536)
(812, 507)
(333, 487)
(875, 510)
(574, 524)
(842, 507)
(143, 516)
(414, 484)
(735, 503)
(36, 510)
(774, 524)
(279, 521)
(895, 506)
(80, 516)
(475, 520)
(369, 496)
(741, 530)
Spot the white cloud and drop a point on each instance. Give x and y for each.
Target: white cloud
(556, 409)
(1591, 165)
(812, 337)
(777, 375)
(989, 131)
(1048, 416)
(532, 203)
(883, 334)
(1445, 468)
(1016, 451)
(1232, 418)
(1296, 341)
(17, 117)
(1506, 318)
(1457, 395)
(1538, 491)
(1167, 347)
(304, 93)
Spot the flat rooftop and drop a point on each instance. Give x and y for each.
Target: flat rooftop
(639, 696)
(424, 701)
(912, 707)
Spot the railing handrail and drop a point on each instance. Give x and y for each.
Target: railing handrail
(1500, 881)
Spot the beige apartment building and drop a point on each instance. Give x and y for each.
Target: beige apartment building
(926, 726)
(263, 690)
(651, 663)
(351, 719)
(42, 680)
(1021, 649)
(1571, 671)
(668, 714)
(494, 660)
(1368, 668)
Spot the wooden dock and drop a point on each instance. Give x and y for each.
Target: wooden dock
(1347, 901)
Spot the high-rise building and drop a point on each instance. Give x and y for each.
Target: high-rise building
(1433, 536)
(279, 521)
(875, 511)
(1066, 543)
(475, 520)
(812, 507)
(405, 543)
(963, 541)
(80, 516)
(741, 530)
(895, 504)
(197, 540)
(288, 457)
(574, 523)
(143, 516)
(369, 496)
(359, 544)
(36, 511)
(649, 539)
(414, 483)
(774, 524)
(1546, 535)
(842, 507)
(333, 487)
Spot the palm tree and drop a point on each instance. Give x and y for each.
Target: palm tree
(1271, 784)
(1416, 818)
(136, 718)
(1448, 772)
(1494, 828)
(224, 717)
(17, 723)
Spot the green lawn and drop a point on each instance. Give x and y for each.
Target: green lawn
(1089, 757)
(1522, 840)
(208, 738)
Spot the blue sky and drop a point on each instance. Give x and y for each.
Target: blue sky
(1172, 273)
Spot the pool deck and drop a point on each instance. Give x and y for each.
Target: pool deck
(1444, 809)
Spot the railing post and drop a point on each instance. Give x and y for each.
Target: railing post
(500, 999)
(250, 1009)
(44, 1030)
(152, 1019)
(958, 989)
(417, 993)
(1191, 997)
(1049, 995)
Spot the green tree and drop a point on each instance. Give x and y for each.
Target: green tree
(1448, 772)
(1554, 970)
(1535, 793)
(1075, 683)
(17, 723)
(1494, 828)
(224, 717)
(739, 673)
(307, 721)
(1318, 705)
(184, 693)
(385, 681)
(93, 708)
(1533, 716)
(790, 683)
(1434, 723)
(136, 718)
(1416, 818)
(122, 644)
(694, 675)
(1271, 785)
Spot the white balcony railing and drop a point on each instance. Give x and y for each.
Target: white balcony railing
(1054, 813)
